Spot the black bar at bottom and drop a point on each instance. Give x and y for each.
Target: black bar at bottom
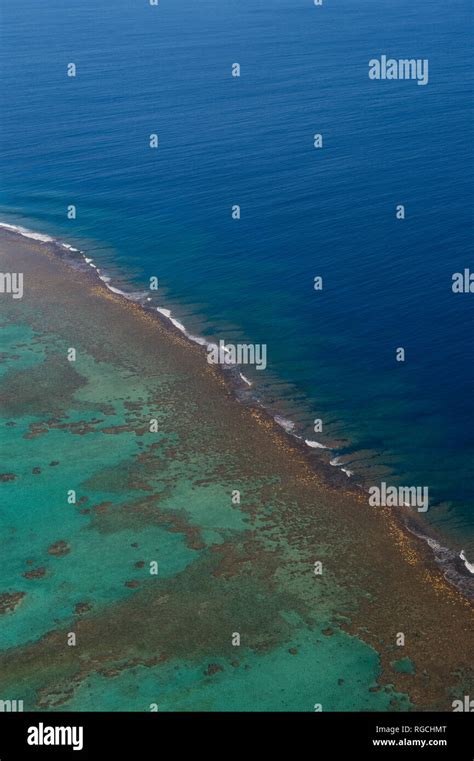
(141, 735)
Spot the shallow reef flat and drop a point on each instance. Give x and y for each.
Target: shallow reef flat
(135, 578)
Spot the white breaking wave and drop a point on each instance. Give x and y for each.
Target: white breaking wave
(315, 444)
(28, 233)
(167, 313)
(286, 424)
(336, 462)
(178, 324)
(467, 564)
(137, 296)
(197, 339)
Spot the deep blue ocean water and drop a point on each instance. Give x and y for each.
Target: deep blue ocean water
(305, 212)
